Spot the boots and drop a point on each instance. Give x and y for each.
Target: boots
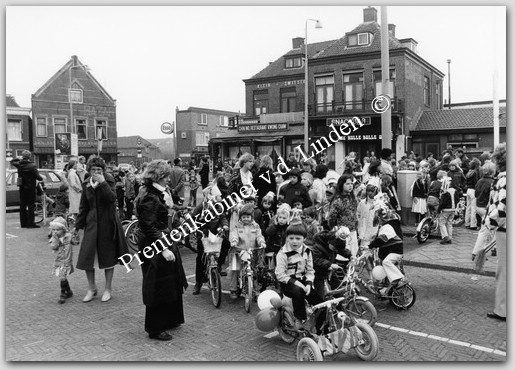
(66, 291)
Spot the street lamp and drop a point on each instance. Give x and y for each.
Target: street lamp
(306, 128)
(449, 73)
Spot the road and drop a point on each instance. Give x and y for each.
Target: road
(447, 322)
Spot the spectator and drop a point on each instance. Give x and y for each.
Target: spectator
(309, 166)
(465, 161)
(294, 190)
(458, 180)
(292, 162)
(365, 214)
(177, 180)
(242, 176)
(471, 179)
(386, 157)
(130, 194)
(311, 224)
(419, 193)
(27, 176)
(264, 179)
(75, 188)
(81, 168)
(374, 174)
(449, 198)
(319, 188)
(204, 173)
(193, 181)
(433, 194)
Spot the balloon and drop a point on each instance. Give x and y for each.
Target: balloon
(267, 319)
(276, 302)
(264, 298)
(378, 273)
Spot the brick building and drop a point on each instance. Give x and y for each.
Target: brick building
(195, 127)
(130, 146)
(73, 101)
(18, 129)
(344, 76)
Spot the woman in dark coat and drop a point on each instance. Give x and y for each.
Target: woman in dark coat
(164, 280)
(103, 241)
(204, 173)
(264, 179)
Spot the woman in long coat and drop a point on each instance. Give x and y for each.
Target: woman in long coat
(103, 241)
(264, 179)
(164, 280)
(75, 187)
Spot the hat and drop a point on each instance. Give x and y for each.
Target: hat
(247, 209)
(59, 223)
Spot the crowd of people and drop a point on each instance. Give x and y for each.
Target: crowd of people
(305, 217)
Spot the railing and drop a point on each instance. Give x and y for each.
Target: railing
(335, 108)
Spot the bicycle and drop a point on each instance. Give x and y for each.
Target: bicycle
(429, 224)
(246, 277)
(210, 259)
(338, 332)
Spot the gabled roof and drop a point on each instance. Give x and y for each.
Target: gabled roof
(10, 101)
(65, 69)
(455, 119)
(132, 142)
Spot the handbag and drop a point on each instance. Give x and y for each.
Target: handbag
(479, 261)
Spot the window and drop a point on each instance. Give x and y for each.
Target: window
(59, 125)
(224, 121)
(14, 128)
(203, 119)
(260, 102)
(353, 40)
(426, 91)
(82, 131)
(41, 127)
(353, 90)
(101, 129)
(363, 38)
(438, 94)
(295, 62)
(75, 96)
(378, 78)
(201, 138)
(324, 93)
(288, 100)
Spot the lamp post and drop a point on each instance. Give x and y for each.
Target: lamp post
(306, 128)
(449, 73)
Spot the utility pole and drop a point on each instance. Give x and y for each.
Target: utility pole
(449, 80)
(386, 116)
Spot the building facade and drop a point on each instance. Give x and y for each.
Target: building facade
(194, 128)
(344, 76)
(137, 150)
(73, 102)
(18, 129)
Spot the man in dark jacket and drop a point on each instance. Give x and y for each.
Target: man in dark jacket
(177, 180)
(204, 173)
(27, 176)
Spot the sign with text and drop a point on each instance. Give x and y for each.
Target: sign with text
(257, 127)
(338, 121)
(363, 137)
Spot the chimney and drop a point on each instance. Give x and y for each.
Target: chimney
(297, 42)
(391, 28)
(370, 14)
(74, 60)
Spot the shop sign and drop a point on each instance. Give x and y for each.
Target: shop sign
(263, 127)
(363, 137)
(338, 121)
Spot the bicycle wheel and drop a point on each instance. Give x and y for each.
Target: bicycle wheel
(307, 350)
(38, 212)
(362, 310)
(190, 242)
(215, 286)
(424, 232)
(249, 292)
(131, 235)
(287, 322)
(403, 297)
(369, 346)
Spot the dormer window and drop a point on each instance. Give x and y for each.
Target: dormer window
(295, 62)
(359, 39)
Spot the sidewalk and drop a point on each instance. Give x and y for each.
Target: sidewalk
(452, 257)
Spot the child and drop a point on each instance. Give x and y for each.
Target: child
(258, 215)
(419, 194)
(311, 224)
(193, 180)
(267, 210)
(296, 210)
(449, 198)
(295, 273)
(365, 212)
(246, 234)
(130, 194)
(60, 242)
(433, 194)
(276, 232)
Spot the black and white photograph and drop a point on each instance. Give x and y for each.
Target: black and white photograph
(256, 183)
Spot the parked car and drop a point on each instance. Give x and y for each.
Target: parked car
(51, 178)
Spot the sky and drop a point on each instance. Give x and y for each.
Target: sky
(152, 59)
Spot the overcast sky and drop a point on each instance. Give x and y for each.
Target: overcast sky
(154, 59)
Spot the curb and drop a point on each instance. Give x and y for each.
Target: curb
(448, 268)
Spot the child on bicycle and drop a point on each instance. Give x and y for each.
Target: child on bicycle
(449, 198)
(245, 234)
(365, 212)
(61, 244)
(295, 272)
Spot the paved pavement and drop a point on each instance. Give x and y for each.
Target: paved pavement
(452, 257)
(446, 323)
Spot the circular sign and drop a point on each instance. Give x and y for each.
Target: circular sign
(138, 141)
(381, 103)
(167, 128)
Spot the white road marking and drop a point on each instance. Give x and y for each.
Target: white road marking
(442, 339)
(9, 236)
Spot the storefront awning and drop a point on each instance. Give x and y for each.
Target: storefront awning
(263, 139)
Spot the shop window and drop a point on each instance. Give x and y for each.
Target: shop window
(101, 129)
(14, 130)
(59, 125)
(41, 127)
(81, 129)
